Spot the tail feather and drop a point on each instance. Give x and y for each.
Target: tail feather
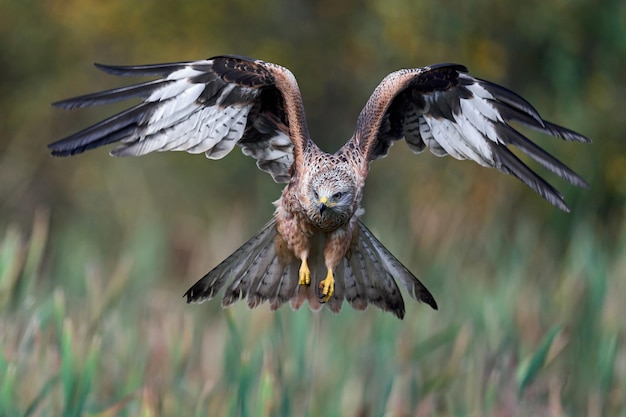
(263, 282)
(240, 285)
(252, 275)
(356, 265)
(352, 287)
(299, 298)
(241, 260)
(284, 290)
(263, 270)
(413, 285)
(385, 293)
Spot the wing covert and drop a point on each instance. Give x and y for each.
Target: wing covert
(448, 111)
(206, 106)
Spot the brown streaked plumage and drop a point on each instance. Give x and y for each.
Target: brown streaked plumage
(315, 248)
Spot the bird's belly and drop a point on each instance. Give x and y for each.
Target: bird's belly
(328, 224)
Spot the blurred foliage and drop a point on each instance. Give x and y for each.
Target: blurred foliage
(531, 298)
(566, 57)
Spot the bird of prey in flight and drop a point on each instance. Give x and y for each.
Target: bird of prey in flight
(315, 248)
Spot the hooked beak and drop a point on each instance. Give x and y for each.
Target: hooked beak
(323, 205)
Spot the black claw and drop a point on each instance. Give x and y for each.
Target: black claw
(321, 296)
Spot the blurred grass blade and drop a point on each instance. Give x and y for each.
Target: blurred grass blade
(607, 362)
(115, 409)
(20, 261)
(148, 403)
(116, 284)
(68, 378)
(77, 375)
(12, 257)
(58, 316)
(7, 387)
(43, 393)
(87, 372)
(34, 256)
(232, 355)
(528, 371)
(434, 342)
(266, 394)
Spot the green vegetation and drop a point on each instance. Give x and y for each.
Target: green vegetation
(95, 252)
(533, 338)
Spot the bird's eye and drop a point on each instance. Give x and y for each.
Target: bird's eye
(315, 195)
(337, 196)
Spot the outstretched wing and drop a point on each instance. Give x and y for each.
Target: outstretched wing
(205, 106)
(452, 113)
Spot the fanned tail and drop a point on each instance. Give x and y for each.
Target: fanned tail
(368, 274)
(264, 270)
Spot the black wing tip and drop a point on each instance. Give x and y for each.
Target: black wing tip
(149, 70)
(63, 154)
(583, 184)
(68, 104)
(558, 203)
(517, 103)
(565, 133)
(114, 69)
(551, 194)
(61, 149)
(508, 163)
(161, 69)
(448, 65)
(572, 136)
(59, 104)
(553, 197)
(119, 69)
(104, 67)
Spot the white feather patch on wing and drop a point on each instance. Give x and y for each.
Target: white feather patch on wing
(278, 146)
(176, 88)
(181, 124)
(274, 157)
(481, 102)
(476, 146)
(186, 132)
(170, 135)
(171, 112)
(229, 131)
(429, 139)
(468, 136)
(189, 71)
(477, 112)
(446, 136)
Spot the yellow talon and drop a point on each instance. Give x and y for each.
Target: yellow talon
(305, 273)
(327, 285)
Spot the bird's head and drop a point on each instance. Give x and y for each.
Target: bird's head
(332, 195)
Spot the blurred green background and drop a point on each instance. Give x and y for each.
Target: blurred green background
(96, 252)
